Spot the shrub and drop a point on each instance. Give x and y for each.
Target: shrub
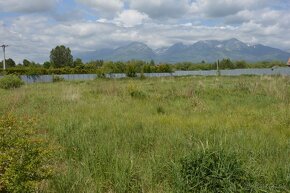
(163, 68)
(241, 64)
(10, 82)
(25, 159)
(131, 70)
(214, 171)
(57, 78)
(101, 73)
(160, 110)
(227, 64)
(135, 92)
(142, 76)
(242, 87)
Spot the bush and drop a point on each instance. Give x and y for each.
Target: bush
(164, 68)
(57, 78)
(243, 87)
(136, 92)
(10, 82)
(25, 159)
(160, 110)
(131, 70)
(214, 171)
(142, 76)
(101, 73)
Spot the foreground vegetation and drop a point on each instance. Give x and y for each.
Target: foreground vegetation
(10, 82)
(26, 159)
(187, 134)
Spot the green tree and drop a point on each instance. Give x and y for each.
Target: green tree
(26, 62)
(163, 68)
(131, 70)
(46, 64)
(8, 63)
(78, 62)
(241, 64)
(61, 56)
(119, 67)
(147, 68)
(227, 64)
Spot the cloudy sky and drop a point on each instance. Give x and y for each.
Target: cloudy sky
(32, 28)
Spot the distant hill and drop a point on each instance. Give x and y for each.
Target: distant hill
(208, 50)
(136, 50)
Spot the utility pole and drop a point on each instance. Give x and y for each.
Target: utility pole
(217, 68)
(4, 65)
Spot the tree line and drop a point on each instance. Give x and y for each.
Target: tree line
(62, 62)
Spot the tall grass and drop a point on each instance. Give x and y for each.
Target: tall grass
(131, 135)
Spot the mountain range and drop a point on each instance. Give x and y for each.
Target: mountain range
(208, 50)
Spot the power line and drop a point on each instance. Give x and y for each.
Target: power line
(4, 65)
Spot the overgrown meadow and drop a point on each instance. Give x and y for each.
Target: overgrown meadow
(186, 134)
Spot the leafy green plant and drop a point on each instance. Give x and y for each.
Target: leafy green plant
(10, 82)
(25, 158)
(214, 171)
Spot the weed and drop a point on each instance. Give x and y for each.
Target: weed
(135, 92)
(214, 171)
(243, 87)
(56, 78)
(10, 82)
(160, 110)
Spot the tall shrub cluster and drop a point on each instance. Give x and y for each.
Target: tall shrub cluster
(215, 171)
(10, 82)
(25, 158)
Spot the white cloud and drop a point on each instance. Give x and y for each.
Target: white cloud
(105, 7)
(157, 23)
(221, 8)
(127, 18)
(161, 8)
(130, 18)
(264, 17)
(26, 6)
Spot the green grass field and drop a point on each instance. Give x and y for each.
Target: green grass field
(130, 135)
